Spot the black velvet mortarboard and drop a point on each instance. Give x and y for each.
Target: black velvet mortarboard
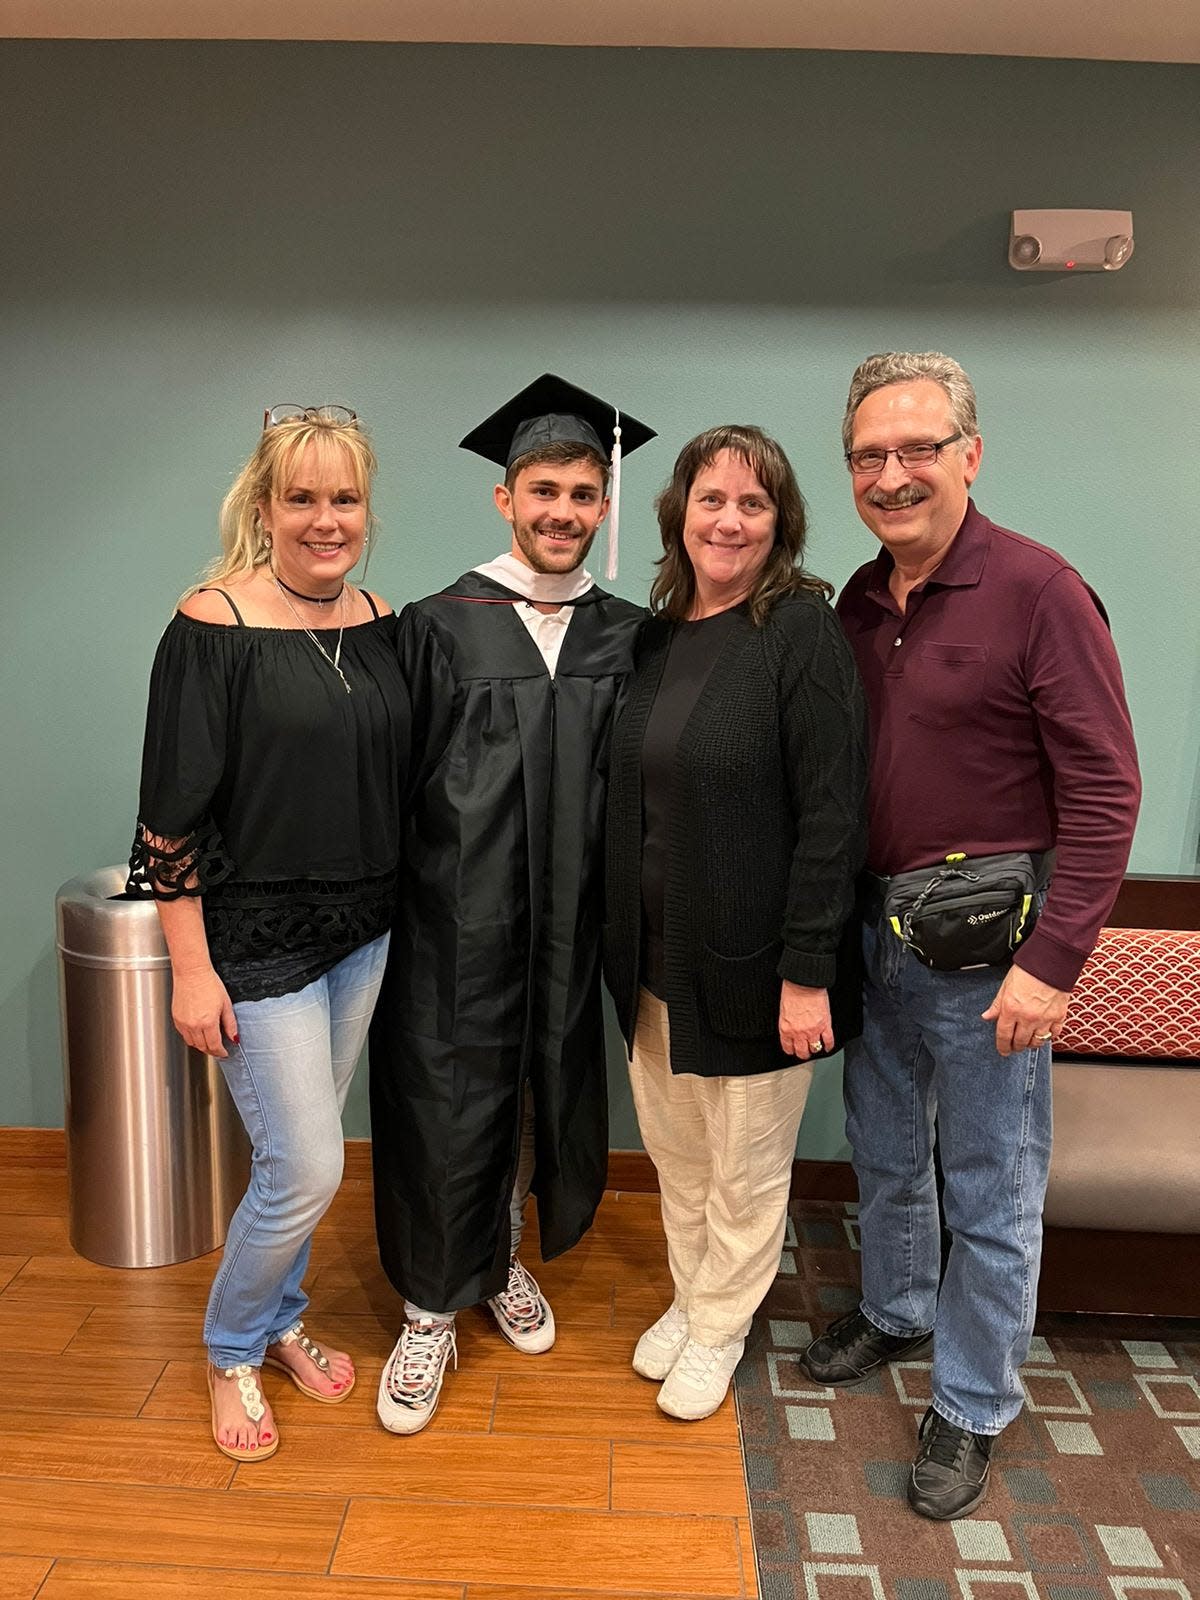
(551, 411)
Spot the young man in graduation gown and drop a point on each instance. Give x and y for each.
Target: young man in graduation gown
(487, 1048)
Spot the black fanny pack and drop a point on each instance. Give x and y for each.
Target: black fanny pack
(967, 912)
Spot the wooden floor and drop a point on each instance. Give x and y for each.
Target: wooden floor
(540, 1476)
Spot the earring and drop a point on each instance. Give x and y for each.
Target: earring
(267, 540)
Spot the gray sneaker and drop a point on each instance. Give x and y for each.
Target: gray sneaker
(852, 1348)
(950, 1474)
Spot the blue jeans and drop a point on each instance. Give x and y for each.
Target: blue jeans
(289, 1077)
(925, 1051)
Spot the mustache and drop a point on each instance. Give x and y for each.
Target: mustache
(911, 495)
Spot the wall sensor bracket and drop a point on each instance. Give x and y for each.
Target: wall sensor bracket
(1070, 241)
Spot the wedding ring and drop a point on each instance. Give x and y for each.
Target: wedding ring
(814, 1044)
(1042, 1037)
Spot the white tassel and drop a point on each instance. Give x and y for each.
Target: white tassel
(614, 505)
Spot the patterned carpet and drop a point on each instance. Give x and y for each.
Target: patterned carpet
(1095, 1490)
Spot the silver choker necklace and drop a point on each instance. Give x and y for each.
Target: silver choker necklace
(335, 659)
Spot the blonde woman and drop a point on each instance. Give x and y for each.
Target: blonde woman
(268, 834)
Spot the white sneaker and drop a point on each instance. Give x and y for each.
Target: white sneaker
(522, 1312)
(412, 1375)
(658, 1349)
(699, 1380)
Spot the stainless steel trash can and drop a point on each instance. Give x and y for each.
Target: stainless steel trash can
(157, 1158)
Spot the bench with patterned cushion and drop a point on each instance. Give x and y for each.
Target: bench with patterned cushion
(1127, 1071)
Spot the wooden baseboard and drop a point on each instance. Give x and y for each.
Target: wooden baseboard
(824, 1180)
(633, 1171)
(358, 1159)
(1084, 1270)
(33, 1147)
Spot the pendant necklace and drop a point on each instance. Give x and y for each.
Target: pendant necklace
(334, 660)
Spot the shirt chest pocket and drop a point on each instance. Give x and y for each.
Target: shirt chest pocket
(943, 683)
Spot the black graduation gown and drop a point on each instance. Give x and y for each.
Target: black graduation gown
(493, 976)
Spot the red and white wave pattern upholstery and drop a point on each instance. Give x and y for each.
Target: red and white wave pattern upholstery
(1138, 995)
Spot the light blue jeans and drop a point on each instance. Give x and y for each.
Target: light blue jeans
(289, 1076)
(925, 1052)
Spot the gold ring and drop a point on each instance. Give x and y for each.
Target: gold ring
(814, 1044)
(1044, 1036)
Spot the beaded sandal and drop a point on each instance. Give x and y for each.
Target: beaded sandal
(252, 1404)
(296, 1335)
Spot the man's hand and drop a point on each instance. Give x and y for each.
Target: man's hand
(1027, 1012)
(805, 1027)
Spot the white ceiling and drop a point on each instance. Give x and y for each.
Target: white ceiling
(1117, 30)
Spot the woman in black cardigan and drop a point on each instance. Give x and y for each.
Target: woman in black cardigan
(736, 828)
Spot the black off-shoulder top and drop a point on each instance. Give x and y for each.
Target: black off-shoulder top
(274, 794)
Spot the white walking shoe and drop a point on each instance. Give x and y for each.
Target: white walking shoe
(522, 1312)
(699, 1380)
(411, 1383)
(657, 1351)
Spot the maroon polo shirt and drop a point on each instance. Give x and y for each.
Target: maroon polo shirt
(998, 722)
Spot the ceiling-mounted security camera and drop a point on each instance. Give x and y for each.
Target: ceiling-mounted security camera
(1070, 241)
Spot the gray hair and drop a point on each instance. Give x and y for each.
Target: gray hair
(906, 366)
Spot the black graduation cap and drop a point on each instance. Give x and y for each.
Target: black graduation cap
(549, 411)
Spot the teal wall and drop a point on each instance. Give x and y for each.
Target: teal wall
(194, 230)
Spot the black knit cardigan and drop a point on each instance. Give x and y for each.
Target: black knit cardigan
(767, 835)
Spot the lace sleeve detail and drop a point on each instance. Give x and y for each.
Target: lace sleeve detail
(168, 869)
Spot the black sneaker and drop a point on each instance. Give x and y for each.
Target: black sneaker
(949, 1476)
(852, 1347)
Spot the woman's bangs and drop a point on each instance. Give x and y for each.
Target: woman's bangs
(338, 464)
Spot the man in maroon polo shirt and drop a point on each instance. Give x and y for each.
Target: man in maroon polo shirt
(998, 724)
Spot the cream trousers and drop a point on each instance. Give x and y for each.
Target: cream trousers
(723, 1148)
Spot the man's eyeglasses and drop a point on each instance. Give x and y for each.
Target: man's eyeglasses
(869, 463)
(290, 413)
